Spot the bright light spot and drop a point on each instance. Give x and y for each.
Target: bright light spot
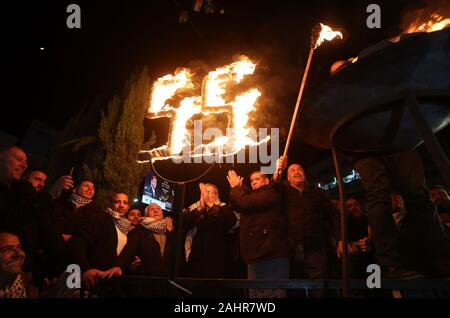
(135, 200)
(42, 48)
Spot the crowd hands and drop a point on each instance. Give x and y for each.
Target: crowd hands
(278, 220)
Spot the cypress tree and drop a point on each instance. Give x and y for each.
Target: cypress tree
(111, 160)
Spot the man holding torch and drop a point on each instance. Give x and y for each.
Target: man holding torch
(311, 223)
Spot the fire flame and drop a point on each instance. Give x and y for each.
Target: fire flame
(327, 34)
(214, 100)
(166, 86)
(435, 22)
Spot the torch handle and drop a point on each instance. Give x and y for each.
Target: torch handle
(297, 105)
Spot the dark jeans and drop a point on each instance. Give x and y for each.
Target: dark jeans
(309, 263)
(275, 268)
(403, 172)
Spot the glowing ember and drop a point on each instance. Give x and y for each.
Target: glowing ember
(214, 100)
(327, 34)
(434, 23)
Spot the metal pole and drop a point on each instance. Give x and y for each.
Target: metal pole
(343, 218)
(437, 154)
(179, 235)
(179, 229)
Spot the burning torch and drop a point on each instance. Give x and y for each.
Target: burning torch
(320, 33)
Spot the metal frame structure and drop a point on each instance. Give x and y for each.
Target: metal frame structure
(410, 101)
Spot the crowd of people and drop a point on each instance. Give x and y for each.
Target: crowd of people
(279, 227)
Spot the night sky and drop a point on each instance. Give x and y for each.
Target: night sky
(50, 71)
(117, 38)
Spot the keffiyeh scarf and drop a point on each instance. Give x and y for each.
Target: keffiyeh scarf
(123, 224)
(151, 224)
(15, 290)
(79, 201)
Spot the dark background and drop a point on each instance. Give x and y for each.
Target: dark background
(117, 37)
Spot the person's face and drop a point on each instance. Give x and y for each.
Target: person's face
(12, 164)
(155, 211)
(353, 207)
(438, 195)
(336, 204)
(11, 254)
(37, 180)
(134, 216)
(258, 180)
(154, 182)
(120, 203)
(296, 175)
(86, 190)
(213, 193)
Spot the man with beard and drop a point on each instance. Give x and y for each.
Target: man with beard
(36, 177)
(358, 237)
(152, 241)
(74, 208)
(134, 215)
(98, 242)
(357, 227)
(22, 211)
(47, 260)
(12, 282)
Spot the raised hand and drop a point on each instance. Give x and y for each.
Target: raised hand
(169, 225)
(63, 183)
(233, 179)
(282, 163)
(363, 245)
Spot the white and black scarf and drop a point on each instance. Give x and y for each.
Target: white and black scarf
(123, 224)
(15, 290)
(79, 201)
(151, 224)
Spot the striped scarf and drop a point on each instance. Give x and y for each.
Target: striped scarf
(123, 224)
(158, 227)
